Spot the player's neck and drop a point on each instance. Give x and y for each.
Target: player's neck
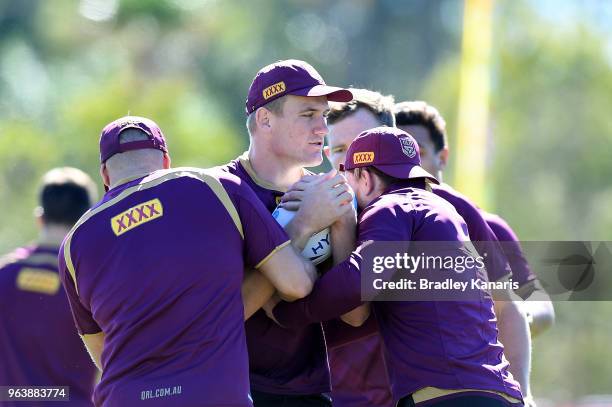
(52, 235)
(274, 170)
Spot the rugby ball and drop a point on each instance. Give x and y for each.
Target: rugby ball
(318, 247)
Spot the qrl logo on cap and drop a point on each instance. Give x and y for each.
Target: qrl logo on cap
(408, 147)
(363, 157)
(274, 90)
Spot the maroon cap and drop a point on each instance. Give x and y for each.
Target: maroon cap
(389, 149)
(290, 77)
(109, 139)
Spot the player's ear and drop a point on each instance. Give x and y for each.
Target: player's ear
(39, 215)
(167, 161)
(262, 118)
(443, 158)
(104, 175)
(369, 181)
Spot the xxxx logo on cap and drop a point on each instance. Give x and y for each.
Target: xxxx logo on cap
(290, 77)
(274, 90)
(364, 157)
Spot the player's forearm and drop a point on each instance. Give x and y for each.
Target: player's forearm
(537, 306)
(291, 274)
(514, 335)
(299, 232)
(357, 316)
(540, 315)
(300, 284)
(297, 282)
(343, 242)
(256, 291)
(334, 294)
(343, 237)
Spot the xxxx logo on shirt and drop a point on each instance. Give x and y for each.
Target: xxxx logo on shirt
(136, 216)
(39, 281)
(274, 90)
(364, 157)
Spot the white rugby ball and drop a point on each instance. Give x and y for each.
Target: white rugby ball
(318, 247)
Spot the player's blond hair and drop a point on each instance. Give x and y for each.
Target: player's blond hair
(275, 106)
(381, 106)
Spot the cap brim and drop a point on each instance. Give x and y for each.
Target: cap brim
(333, 93)
(405, 171)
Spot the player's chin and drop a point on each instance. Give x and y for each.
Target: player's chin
(313, 159)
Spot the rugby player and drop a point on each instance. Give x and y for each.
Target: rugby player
(286, 109)
(357, 370)
(153, 274)
(428, 127)
(444, 353)
(38, 343)
(366, 110)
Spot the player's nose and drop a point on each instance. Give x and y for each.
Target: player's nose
(320, 128)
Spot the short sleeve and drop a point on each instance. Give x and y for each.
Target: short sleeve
(263, 236)
(81, 314)
(485, 241)
(521, 271)
(480, 233)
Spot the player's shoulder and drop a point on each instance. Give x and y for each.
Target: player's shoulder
(424, 206)
(469, 211)
(494, 219)
(231, 167)
(205, 175)
(163, 183)
(239, 166)
(15, 257)
(500, 227)
(413, 199)
(386, 206)
(456, 198)
(387, 218)
(219, 180)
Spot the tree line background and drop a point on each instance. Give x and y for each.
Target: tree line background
(68, 67)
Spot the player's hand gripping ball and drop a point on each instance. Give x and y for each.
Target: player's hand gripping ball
(318, 247)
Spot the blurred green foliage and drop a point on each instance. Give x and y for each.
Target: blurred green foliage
(69, 67)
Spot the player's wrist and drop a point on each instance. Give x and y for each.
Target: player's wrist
(348, 219)
(299, 228)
